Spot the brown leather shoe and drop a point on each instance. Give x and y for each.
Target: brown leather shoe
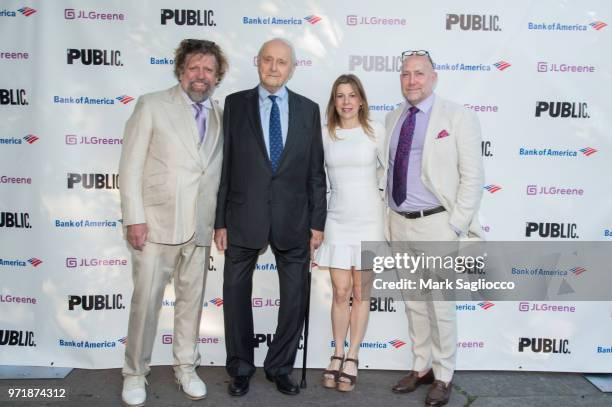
(412, 381)
(439, 394)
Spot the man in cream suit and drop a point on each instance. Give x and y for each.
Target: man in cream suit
(433, 187)
(169, 176)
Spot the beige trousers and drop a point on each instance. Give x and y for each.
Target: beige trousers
(432, 324)
(152, 269)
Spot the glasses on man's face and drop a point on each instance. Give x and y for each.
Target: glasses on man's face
(420, 52)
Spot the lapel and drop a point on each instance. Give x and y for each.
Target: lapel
(252, 104)
(180, 117)
(430, 134)
(212, 131)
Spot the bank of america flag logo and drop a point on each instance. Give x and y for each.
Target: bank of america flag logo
(125, 99)
(492, 188)
(217, 301)
(578, 270)
(30, 138)
(598, 25)
(502, 65)
(35, 262)
(486, 305)
(123, 340)
(588, 151)
(313, 19)
(27, 11)
(396, 343)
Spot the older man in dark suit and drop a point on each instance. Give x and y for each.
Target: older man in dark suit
(272, 192)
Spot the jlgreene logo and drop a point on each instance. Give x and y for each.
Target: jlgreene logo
(201, 18)
(544, 345)
(472, 22)
(167, 339)
(565, 68)
(13, 97)
(93, 181)
(576, 110)
(73, 139)
(74, 262)
(525, 306)
(553, 190)
(75, 14)
(552, 230)
(91, 56)
(353, 20)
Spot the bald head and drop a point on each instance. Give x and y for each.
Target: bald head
(275, 64)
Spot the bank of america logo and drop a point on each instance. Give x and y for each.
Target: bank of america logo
(578, 270)
(30, 138)
(313, 19)
(486, 305)
(396, 343)
(598, 25)
(125, 99)
(492, 188)
(588, 151)
(35, 262)
(501, 65)
(27, 11)
(123, 340)
(217, 301)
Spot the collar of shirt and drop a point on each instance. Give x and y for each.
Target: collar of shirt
(424, 106)
(206, 103)
(264, 93)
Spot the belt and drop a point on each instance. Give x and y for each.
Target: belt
(420, 214)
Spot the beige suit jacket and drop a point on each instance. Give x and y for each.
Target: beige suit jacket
(166, 180)
(452, 167)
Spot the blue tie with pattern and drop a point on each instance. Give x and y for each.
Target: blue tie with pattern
(276, 135)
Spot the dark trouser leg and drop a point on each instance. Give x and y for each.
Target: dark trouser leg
(237, 311)
(292, 268)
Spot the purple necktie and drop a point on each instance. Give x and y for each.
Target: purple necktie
(200, 120)
(402, 153)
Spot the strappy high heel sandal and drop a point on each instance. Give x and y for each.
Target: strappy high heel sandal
(349, 385)
(330, 377)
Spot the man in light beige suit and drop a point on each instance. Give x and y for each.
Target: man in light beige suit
(433, 186)
(169, 175)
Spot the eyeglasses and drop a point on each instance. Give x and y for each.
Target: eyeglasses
(199, 43)
(420, 52)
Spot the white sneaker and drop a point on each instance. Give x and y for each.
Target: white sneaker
(193, 387)
(134, 393)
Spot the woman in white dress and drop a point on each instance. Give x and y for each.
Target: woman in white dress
(352, 145)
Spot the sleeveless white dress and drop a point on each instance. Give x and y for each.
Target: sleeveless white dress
(355, 208)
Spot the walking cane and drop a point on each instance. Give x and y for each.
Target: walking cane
(303, 384)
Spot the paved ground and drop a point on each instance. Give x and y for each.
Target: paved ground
(92, 388)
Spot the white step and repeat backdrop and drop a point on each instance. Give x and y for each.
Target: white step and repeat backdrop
(537, 73)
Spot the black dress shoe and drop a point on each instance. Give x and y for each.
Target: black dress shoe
(284, 384)
(238, 386)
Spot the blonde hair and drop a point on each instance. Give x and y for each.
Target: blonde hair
(333, 118)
